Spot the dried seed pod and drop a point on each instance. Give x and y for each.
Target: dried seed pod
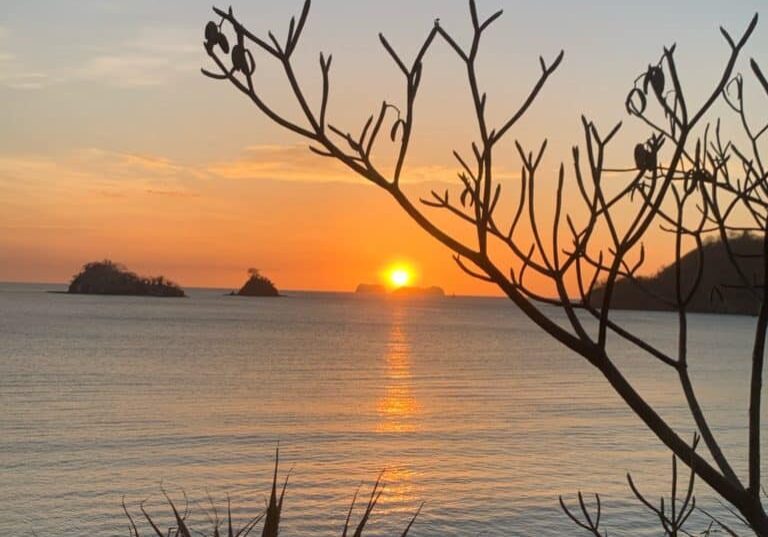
(211, 33)
(224, 43)
(239, 61)
(242, 59)
(654, 78)
(696, 178)
(642, 158)
(657, 80)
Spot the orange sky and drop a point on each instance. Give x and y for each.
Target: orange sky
(302, 220)
(112, 145)
(145, 213)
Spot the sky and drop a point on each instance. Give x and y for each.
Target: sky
(113, 145)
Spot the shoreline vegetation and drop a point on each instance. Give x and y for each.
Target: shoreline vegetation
(269, 518)
(721, 289)
(110, 278)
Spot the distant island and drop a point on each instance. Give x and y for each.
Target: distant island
(433, 291)
(720, 290)
(109, 278)
(376, 289)
(257, 286)
(371, 289)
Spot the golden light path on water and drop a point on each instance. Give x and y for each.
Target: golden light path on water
(398, 406)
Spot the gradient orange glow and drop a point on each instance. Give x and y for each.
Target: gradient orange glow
(203, 227)
(116, 147)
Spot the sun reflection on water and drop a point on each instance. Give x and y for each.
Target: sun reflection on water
(398, 406)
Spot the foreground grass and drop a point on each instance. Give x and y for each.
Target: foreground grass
(268, 520)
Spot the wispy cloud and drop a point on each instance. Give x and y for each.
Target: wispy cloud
(298, 163)
(13, 73)
(173, 193)
(153, 57)
(108, 173)
(288, 163)
(127, 70)
(156, 56)
(99, 172)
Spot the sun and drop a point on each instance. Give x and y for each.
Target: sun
(400, 276)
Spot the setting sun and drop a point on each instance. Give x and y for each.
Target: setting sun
(400, 276)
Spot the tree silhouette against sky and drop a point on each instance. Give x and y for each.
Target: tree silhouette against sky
(687, 176)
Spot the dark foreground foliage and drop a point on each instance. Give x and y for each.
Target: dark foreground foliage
(269, 519)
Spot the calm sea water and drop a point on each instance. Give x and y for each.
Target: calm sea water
(463, 403)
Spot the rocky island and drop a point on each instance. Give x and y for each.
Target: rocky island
(380, 290)
(371, 289)
(109, 278)
(432, 291)
(257, 286)
(720, 290)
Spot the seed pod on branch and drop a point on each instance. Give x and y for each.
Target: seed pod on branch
(242, 60)
(655, 78)
(645, 158)
(224, 43)
(211, 32)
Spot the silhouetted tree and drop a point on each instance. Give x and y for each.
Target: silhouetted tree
(685, 176)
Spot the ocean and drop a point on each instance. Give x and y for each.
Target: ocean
(461, 402)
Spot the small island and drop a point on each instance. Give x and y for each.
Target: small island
(405, 291)
(432, 292)
(257, 286)
(371, 289)
(109, 278)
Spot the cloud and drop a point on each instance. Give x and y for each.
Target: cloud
(115, 174)
(127, 70)
(100, 172)
(155, 57)
(172, 193)
(288, 163)
(298, 163)
(13, 73)
(155, 164)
